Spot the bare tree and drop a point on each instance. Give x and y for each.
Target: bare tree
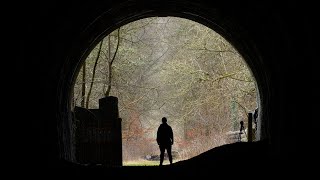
(93, 74)
(174, 67)
(110, 62)
(83, 92)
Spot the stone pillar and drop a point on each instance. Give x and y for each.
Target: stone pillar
(109, 107)
(110, 118)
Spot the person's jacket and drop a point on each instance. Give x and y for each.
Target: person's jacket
(164, 135)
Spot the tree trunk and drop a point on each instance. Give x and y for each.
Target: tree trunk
(83, 91)
(110, 64)
(93, 74)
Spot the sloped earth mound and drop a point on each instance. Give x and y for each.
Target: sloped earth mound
(237, 160)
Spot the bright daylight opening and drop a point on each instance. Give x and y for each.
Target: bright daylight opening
(165, 67)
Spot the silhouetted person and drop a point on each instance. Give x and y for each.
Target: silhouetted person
(241, 129)
(165, 140)
(255, 117)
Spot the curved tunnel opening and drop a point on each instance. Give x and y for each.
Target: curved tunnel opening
(224, 25)
(172, 67)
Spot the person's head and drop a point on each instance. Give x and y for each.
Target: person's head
(164, 120)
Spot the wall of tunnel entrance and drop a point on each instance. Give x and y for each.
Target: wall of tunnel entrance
(45, 35)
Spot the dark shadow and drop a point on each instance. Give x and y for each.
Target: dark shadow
(233, 159)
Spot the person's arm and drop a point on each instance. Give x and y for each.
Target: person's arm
(158, 140)
(171, 136)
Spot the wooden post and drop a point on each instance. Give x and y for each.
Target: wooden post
(250, 115)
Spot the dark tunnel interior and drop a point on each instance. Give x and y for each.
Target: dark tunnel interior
(275, 42)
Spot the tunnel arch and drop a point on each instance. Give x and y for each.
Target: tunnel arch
(222, 21)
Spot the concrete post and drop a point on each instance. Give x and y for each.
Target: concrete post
(250, 115)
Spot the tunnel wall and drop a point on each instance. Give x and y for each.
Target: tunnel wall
(276, 42)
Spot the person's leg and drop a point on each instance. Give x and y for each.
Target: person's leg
(162, 149)
(169, 154)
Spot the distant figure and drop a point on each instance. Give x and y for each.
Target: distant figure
(165, 140)
(255, 120)
(241, 129)
(255, 117)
